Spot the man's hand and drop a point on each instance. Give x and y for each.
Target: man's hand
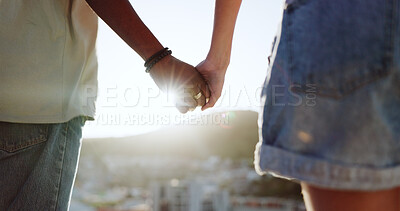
(214, 75)
(171, 74)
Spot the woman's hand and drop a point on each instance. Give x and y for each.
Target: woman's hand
(173, 75)
(214, 75)
(213, 69)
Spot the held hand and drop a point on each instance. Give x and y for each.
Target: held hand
(215, 77)
(171, 74)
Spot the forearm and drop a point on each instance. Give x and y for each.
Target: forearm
(122, 18)
(226, 12)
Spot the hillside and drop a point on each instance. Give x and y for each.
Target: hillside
(235, 139)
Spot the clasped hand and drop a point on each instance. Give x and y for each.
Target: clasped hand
(191, 87)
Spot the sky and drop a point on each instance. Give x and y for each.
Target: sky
(129, 102)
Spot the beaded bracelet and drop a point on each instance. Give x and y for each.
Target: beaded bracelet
(156, 58)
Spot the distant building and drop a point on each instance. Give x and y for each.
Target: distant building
(187, 196)
(193, 196)
(266, 204)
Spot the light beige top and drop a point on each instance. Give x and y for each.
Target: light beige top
(48, 64)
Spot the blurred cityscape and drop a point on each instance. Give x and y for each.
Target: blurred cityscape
(204, 174)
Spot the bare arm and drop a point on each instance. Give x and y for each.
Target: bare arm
(170, 74)
(123, 19)
(226, 12)
(213, 68)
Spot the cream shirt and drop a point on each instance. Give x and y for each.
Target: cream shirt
(48, 64)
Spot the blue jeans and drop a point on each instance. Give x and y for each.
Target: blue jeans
(332, 95)
(38, 164)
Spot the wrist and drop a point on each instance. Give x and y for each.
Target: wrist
(163, 64)
(219, 61)
(154, 59)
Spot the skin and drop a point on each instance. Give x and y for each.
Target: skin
(173, 74)
(170, 74)
(322, 199)
(213, 69)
